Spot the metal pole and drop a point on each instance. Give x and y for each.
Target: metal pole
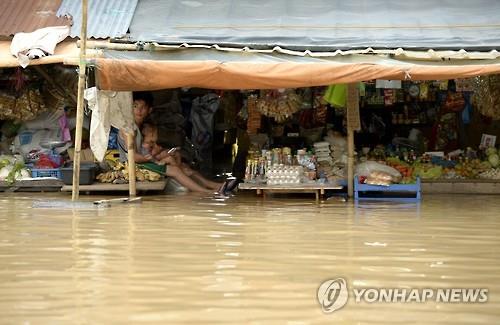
(79, 107)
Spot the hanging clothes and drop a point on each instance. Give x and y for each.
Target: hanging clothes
(467, 112)
(40, 43)
(202, 119)
(64, 126)
(109, 108)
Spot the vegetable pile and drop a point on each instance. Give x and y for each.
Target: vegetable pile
(12, 169)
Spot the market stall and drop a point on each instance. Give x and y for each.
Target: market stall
(434, 130)
(35, 104)
(235, 56)
(34, 131)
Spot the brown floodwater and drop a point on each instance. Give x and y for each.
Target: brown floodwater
(192, 259)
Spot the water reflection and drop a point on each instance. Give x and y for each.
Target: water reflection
(175, 259)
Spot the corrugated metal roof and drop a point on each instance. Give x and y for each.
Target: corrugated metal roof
(321, 25)
(28, 15)
(106, 18)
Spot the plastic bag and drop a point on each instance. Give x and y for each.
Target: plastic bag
(45, 120)
(378, 174)
(336, 95)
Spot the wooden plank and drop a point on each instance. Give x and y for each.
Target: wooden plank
(298, 187)
(291, 190)
(44, 182)
(42, 185)
(109, 187)
(119, 200)
(465, 181)
(461, 188)
(264, 189)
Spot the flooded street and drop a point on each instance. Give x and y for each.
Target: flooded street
(191, 259)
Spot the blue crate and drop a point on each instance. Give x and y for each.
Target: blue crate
(414, 189)
(48, 172)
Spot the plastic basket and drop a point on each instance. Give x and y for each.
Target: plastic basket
(55, 172)
(87, 174)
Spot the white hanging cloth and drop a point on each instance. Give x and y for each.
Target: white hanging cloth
(42, 42)
(109, 108)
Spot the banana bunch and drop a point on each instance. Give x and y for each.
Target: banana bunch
(142, 175)
(150, 175)
(110, 177)
(119, 174)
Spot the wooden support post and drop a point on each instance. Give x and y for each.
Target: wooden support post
(79, 107)
(350, 162)
(131, 164)
(353, 124)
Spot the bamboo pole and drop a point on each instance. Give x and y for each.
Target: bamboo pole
(79, 107)
(116, 46)
(131, 164)
(106, 45)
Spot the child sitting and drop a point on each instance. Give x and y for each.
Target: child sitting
(173, 159)
(156, 153)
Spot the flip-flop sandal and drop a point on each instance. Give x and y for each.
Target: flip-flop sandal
(221, 196)
(232, 184)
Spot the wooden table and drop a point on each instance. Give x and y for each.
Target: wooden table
(317, 189)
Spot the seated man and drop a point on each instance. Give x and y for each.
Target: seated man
(141, 109)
